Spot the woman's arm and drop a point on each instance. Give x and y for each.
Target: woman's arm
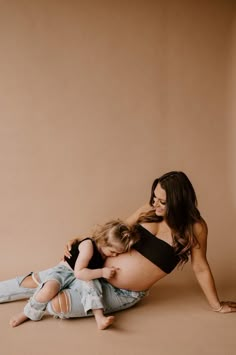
(132, 219)
(70, 242)
(203, 272)
(68, 247)
(81, 269)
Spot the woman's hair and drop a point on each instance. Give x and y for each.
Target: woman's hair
(116, 231)
(181, 211)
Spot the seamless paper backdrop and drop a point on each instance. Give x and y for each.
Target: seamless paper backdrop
(97, 99)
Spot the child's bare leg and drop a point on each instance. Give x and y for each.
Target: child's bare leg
(44, 295)
(102, 321)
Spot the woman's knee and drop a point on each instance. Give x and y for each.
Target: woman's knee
(30, 281)
(47, 291)
(67, 304)
(60, 304)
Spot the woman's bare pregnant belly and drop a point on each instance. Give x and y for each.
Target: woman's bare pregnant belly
(135, 272)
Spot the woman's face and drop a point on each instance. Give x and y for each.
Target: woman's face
(159, 201)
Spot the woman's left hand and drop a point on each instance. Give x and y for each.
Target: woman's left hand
(227, 307)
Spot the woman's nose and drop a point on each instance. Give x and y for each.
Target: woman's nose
(156, 202)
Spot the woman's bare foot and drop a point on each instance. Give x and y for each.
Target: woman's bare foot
(18, 319)
(104, 322)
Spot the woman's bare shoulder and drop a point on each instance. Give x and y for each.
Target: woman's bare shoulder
(200, 229)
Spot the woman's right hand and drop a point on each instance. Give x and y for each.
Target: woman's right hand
(68, 247)
(226, 307)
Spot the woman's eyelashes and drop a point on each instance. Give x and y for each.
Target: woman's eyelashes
(158, 200)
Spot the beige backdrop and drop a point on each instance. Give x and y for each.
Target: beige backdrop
(97, 99)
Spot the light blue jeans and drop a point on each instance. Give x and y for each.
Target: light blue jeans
(113, 299)
(63, 275)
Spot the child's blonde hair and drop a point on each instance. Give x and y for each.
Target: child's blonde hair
(116, 231)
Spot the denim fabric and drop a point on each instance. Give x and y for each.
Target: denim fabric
(10, 290)
(113, 299)
(61, 273)
(35, 310)
(90, 293)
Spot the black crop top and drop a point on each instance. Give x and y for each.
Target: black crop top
(96, 262)
(156, 250)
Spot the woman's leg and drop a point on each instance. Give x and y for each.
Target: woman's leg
(36, 306)
(58, 277)
(17, 289)
(77, 300)
(69, 303)
(22, 287)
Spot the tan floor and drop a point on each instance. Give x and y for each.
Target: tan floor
(174, 319)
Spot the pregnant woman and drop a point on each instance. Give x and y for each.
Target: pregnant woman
(171, 230)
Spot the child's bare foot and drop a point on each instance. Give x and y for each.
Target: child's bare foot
(18, 319)
(105, 322)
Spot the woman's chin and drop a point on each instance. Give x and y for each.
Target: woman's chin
(159, 213)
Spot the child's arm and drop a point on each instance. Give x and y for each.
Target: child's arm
(81, 270)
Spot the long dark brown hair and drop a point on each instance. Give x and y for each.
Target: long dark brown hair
(181, 211)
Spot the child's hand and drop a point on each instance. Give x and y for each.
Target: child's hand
(108, 272)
